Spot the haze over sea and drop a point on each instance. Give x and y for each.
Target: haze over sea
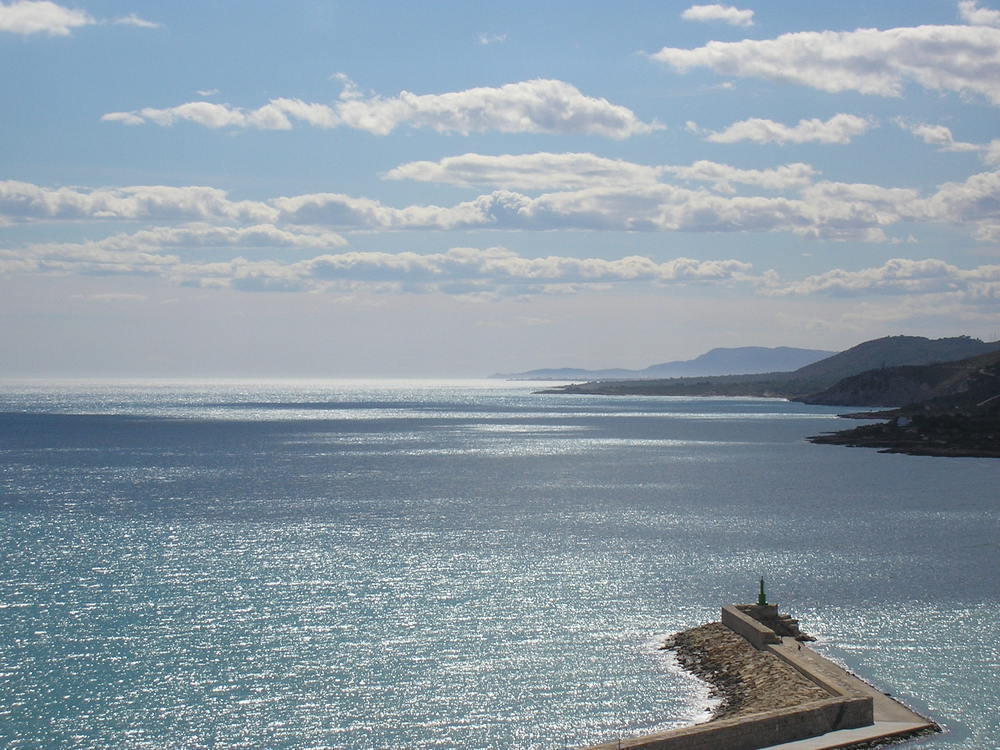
(307, 564)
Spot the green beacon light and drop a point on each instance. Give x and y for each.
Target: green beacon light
(761, 599)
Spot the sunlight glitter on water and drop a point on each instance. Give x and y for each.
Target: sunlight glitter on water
(452, 578)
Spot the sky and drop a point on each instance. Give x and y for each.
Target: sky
(399, 189)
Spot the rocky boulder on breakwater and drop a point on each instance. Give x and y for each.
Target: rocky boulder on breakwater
(746, 680)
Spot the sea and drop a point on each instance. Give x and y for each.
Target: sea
(457, 564)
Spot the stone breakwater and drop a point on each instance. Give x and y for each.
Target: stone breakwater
(747, 681)
(774, 690)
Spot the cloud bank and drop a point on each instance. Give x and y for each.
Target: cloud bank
(498, 272)
(575, 192)
(461, 270)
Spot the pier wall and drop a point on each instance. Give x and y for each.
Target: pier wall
(758, 730)
(818, 679)
(743, 624)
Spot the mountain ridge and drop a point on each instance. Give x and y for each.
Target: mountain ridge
(717, 361)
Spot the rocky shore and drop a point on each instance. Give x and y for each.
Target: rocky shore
(955, 435)
(746, 680)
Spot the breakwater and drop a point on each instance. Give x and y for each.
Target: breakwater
(745, 680)
(775, 690)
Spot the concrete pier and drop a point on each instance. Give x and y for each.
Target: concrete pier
(854, 713)
(890, 718)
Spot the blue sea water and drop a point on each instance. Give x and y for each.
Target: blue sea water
(308, 564)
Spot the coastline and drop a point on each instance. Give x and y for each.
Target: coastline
(953, 436)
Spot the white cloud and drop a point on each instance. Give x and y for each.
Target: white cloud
(961, 59)
(991, 153)
(897, 276)
(972, 13)
(498, 264)
(722, 176)
(498, 270)
(725, 13)
(141, 253)
(973, 203)
(536, 171)
(574, 171)
(640, 206)
(840, 128)
(210, 115)
(44, 17)
(937, 135)
(201, 235)
(93, 258)
(537, 106)
(989, 233)
(41, 17)
(25, 201)
(975, 200)
(875, 195)
(133, 20)
(339, 210)
(124, 118)
(668, 208)
(207, 92)
(461, 271)
(486, 39)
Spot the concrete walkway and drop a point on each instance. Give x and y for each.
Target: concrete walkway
(846, 738)
(891, 716)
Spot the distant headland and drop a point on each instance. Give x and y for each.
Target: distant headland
(719, 361)
(947, 392)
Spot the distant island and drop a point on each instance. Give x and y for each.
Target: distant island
(719, 361)
(947, 392)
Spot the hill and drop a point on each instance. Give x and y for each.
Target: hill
(809, 379)
(893, 351)
(958, 414)
(962, 383)
(719, 361)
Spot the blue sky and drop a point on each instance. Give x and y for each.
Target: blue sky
(454, 188)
